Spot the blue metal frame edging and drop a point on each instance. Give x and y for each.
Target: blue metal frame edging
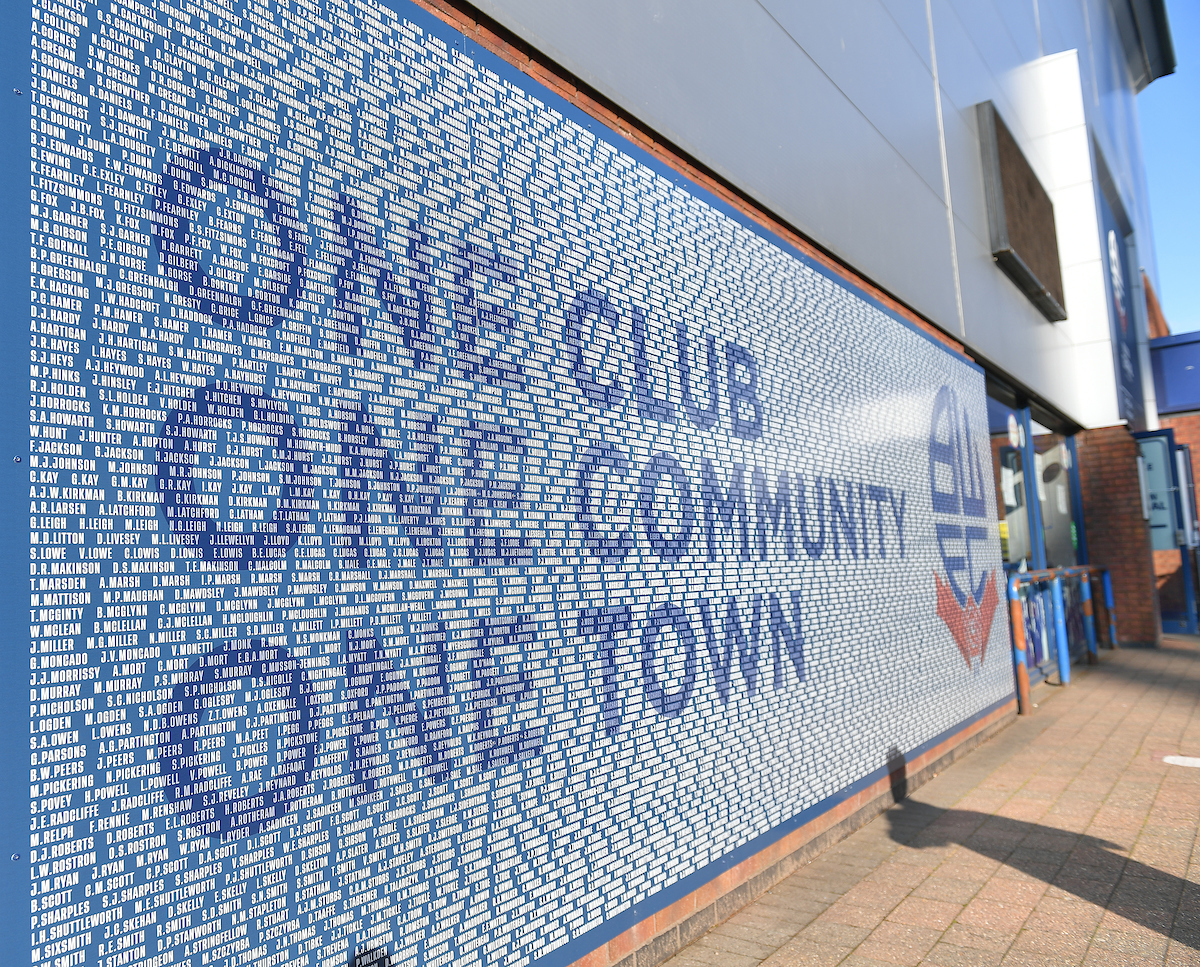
(1037, 539)
(15, 106)
(1081, 550)
(1189, 623)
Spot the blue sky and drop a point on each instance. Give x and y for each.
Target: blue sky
(1170, 117)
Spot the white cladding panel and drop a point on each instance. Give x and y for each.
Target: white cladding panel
(778, 106)
(848, 155)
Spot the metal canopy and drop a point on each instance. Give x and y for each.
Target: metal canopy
(1146, 37)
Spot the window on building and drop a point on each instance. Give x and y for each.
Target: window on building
(1053, 468)
(1012, 508)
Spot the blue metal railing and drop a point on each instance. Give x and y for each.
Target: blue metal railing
(1032, 633)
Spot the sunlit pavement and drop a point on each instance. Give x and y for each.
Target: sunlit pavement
(1064, 840)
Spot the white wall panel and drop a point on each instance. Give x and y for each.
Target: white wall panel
(1002, 324)
(728, 84)
(840, 39)
(909, 17)
(825, 114)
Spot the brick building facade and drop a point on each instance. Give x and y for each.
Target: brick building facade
(1117, 534)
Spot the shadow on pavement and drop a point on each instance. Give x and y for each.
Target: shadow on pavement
(1092, 869)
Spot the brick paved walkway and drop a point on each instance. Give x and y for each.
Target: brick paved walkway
(1061, 841)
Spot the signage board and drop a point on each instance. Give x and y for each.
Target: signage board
(451, 535)
(1123, 318)
(1165, 526)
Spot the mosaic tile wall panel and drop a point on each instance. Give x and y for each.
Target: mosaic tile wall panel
(448, 529)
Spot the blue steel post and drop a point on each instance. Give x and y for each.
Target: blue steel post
(1081, 549)
(1037, 541)
(1020, 655)
(1061, 644)
(1191, 624)
(1089, 616)
(1108, 606)
(1182, 497)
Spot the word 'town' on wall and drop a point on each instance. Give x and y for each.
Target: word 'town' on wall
(449, 531)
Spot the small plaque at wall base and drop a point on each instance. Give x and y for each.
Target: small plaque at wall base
(1020, 217)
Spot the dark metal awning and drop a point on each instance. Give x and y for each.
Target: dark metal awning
(1146, 37)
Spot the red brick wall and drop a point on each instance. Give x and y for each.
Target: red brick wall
(1187, 431)
(1168, 575)
(1117, 536)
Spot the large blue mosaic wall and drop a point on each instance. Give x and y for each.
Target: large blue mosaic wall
(450, 532)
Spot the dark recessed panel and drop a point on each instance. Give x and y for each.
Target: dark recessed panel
(1145, 34)
(1020, 217)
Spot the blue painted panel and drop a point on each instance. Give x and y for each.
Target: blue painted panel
(1175, 361)
(1122, 317)
(450, 533)
(14, 527)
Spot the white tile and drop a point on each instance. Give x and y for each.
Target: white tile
(1087, 302)
(1075, 224)
(1064, 158)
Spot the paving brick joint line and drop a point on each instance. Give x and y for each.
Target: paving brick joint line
(1062, 840)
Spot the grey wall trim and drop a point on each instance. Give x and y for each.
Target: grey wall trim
(941, 124)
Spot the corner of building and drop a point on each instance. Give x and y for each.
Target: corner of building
(1118, 534)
